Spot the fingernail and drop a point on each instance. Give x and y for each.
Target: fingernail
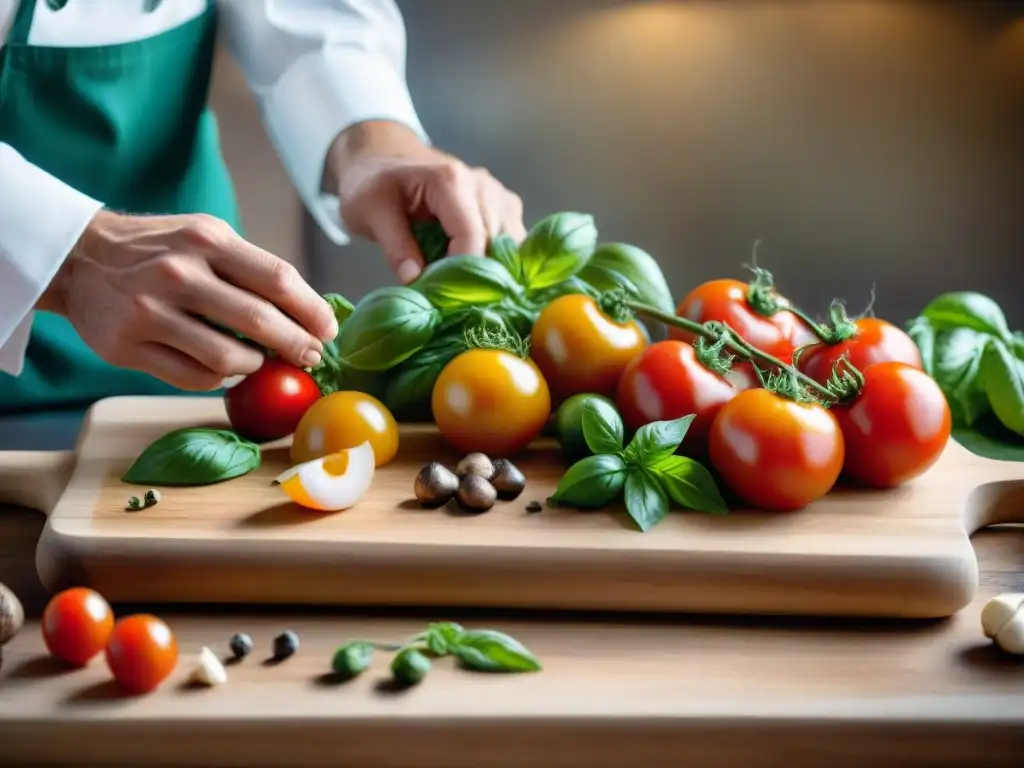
(332, 330)
(232, 381)
(408, 271)
(310, 358)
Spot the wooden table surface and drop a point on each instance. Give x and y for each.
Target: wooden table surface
(654, 690)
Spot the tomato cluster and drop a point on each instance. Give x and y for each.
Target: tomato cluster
(141, 650)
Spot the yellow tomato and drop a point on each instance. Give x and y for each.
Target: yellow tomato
(491, 401)
(578, 348)
(344, 420)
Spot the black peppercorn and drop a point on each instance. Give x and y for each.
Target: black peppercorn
(241, 645)
(285, 644)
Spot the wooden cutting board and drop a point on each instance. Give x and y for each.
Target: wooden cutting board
(899, 553)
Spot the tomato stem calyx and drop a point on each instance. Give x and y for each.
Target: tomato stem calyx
(847, 383)
(713, 356)
(763, 299)
(502, 339)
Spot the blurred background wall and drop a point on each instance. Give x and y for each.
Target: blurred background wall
(863, 142)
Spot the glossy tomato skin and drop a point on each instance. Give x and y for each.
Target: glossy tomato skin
(667, 381)
(897, 427)
(141, 653)
(578, 348)
(725, 300)
(344, 420)
(268, 405)
(774, 453)
(491, 401)
(876, 341)
(76, 625)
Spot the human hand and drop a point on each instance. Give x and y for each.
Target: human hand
(386, 176)
(134, 287)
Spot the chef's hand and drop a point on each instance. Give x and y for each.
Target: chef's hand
(385, 176)
(134, 287)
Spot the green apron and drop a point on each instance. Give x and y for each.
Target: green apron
(128, 125)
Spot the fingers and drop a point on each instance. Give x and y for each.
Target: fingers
(452, 198)
(175, 368)
(502, 210)
(388, 225)
(211, 349)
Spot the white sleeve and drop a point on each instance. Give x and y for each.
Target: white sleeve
(41, 219)
(317, 67)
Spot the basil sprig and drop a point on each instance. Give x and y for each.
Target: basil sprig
(194, 456)
(647, 470)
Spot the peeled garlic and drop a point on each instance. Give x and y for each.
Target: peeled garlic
(208, 669)
(1002, 620)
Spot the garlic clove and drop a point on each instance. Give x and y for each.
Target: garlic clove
(1011, 637)
(208, 669)
(999, 611)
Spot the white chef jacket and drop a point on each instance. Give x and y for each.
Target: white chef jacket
(315, 68)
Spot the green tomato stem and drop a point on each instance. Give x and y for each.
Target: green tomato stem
(762, 299)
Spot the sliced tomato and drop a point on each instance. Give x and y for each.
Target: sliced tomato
(876, 341)
(667, 381)
(774, 453)
(896, 429)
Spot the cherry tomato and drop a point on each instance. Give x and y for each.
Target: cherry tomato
(876, 341)
(268, 404)
(491, 401)
(580, 349)
(667, 381)
(726, 301)
(897, 427)
(76, 625)
(142, 652)
(343, 420)
(775, 453)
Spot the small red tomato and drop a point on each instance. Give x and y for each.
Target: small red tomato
(141, 653)
(667, 381)
(76, 625)
(775, 453)
(726, 301)
(897, 427)
(269, 404)
(876, 341)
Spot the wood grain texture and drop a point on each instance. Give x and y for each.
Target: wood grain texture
(902, 553)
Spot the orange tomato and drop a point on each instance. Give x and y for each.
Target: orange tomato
(141, 653)
(775, 453)
(76, 625)
(578, 348)
(345, 420)
(491, 401)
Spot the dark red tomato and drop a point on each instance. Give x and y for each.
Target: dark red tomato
(897, 427)
(726, 301)
(269, 404)
(775, 453)
(666, 381)
(876, 341)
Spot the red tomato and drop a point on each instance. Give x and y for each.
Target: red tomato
(76, 625)
(726, 301)
(876, 341)
(667, 381)
(580, 349)
(897, 427)
(269, 404)
(775, 453)
(141, 653)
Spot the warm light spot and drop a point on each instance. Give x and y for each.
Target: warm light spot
(620, 336)
(160, 633)
(96, 607)
(926, 421)
(647, 398)
(556, 347)
(371, 413)
(524, 377)
(743, 443)
(459, 400)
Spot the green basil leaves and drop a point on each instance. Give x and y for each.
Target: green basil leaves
(618, 265)
(194, 456)
(647, 470)
(556, 247)
(457, 282)
(487, 650)
(388, 326)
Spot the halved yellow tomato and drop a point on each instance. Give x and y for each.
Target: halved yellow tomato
(344, 420)
(333, 482)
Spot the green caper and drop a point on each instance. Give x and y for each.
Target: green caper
(352, 658)
(508, 481)
(435, 485)
(134, 503)
(476, 493)
(409, 666)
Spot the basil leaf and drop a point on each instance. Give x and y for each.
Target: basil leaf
(388, 326)
(194, 456)
(412, 384)
(556, 247)
(431, 238)
(487, 650)
(991, 439)
(967, 309)
(646, 501)
(504, 250)
(922, 332)
(464, 281)
(574, 284)
(657, 439)
(592, 482)
(1003, 375)
(618, 265)
(440, 637)
(689, 484)
(341, 306)
(956, 368)
(602, 427)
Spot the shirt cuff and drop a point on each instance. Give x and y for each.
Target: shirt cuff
(319, 96)
(41, 219)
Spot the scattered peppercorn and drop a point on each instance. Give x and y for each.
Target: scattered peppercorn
(534, 506)
(241, 645)
(409, 666)
(285, 644)
(134, 503)
(152, 497)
